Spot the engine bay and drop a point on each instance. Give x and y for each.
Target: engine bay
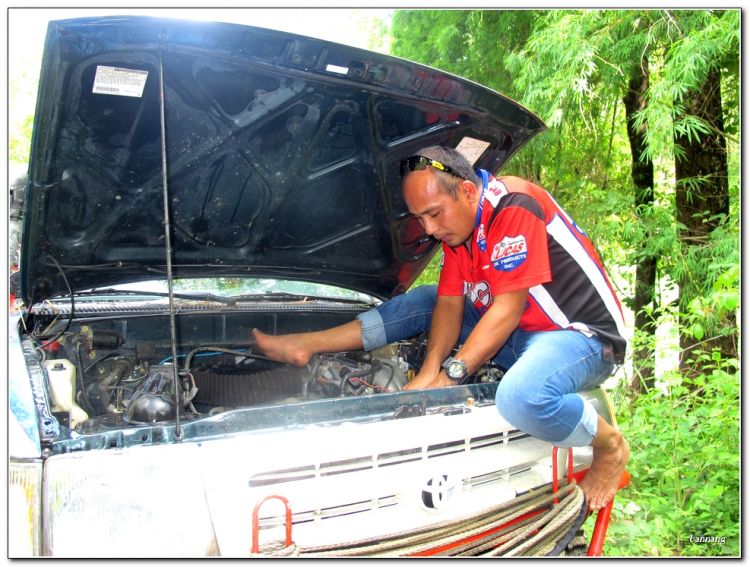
(105, 374)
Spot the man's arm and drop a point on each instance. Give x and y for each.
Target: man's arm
(445, 329)
(487, 338)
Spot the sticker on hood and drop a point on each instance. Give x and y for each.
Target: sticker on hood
(118, 81)
(472, 149)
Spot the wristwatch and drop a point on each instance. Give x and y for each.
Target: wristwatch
(455, 369)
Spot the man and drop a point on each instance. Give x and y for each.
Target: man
(520, 284)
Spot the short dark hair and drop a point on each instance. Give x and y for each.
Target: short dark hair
(457, 162)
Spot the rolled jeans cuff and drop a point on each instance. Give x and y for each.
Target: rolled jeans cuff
(373, 330)
(585, 431)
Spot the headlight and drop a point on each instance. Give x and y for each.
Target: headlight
(141, 502)
(24, 508)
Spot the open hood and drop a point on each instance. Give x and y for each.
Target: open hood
(282, 155)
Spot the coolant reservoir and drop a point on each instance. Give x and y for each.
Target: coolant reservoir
(62, 385)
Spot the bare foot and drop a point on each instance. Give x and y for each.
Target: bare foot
(284, 348)
(601, 482)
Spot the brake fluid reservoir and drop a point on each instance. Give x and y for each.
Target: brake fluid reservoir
(62, 385)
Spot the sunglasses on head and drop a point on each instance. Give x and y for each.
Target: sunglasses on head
(420, 163)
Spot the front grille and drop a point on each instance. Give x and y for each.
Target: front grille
(384, 460)
(495, 476)
(332, 512)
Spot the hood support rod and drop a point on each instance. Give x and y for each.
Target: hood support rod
(167, 230)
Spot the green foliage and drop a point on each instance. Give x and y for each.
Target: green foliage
(684, 467)
(709, 312)
(693, 42)
(704, 265)
(375, 29)
(20, 141)
(23, 77)
(684, 439)
(573, 72)
(469, 43)
(431, 274)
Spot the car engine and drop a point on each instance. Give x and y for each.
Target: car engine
(106, 373)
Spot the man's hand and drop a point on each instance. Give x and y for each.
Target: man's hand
(488, 336)
(425, 380)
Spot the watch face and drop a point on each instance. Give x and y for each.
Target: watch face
(455, 369)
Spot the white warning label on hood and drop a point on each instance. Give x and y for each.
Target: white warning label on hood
(118, 81)
(471, 148)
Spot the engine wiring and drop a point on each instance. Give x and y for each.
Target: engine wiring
(72, 307)
(372, 386)
(241, 350)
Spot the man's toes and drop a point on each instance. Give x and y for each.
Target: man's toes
(259, 337)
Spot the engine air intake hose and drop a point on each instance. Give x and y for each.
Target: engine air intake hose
(248, 389)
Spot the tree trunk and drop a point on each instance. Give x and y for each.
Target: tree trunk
(645, 275)
(702, 192)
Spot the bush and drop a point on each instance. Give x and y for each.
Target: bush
(684, 467)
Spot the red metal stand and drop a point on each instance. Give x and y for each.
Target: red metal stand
(600, 530)
(603, 516)
(256, 522)
(554, 468)
(602, 521)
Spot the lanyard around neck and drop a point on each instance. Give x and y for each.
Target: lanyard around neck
(485, 179)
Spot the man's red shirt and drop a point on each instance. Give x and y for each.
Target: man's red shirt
(523, 239)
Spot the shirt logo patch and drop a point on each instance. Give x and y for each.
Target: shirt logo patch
(495, 187)
(481, 240)
(479, 294)
(509, 253)
(495, 190)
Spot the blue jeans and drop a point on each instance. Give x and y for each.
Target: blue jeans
(545, 369)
